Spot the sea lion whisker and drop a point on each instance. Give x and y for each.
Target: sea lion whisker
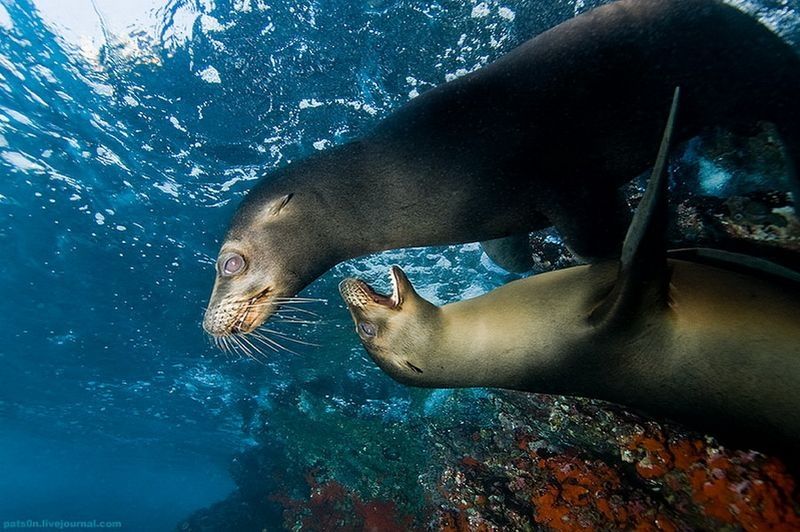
(302, 322)
(214, 341)
(283, 348)
(277, 303)
(301, 310)
(232, 345)
(279, 345)
(238, 341)
(221, 347)
(265, 341)
(287, 313)
(247, 300)
(289, 338)
(255, 348)
(243, 341)
(299, 300)
(225, 345)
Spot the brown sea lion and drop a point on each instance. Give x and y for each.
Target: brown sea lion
(714, 346)
(543, 136)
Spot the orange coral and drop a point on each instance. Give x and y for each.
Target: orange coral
(583, 492)
(727, 486)
(381, 516)
(331, 506)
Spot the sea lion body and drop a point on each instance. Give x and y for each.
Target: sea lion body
(714, 346)
(543, 136)
(724, 357)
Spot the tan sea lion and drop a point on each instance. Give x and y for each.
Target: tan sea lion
(714, 346)
(543, 136)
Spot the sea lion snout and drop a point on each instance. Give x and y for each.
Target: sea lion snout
(357, 293)
(360, 295)
(228, 314)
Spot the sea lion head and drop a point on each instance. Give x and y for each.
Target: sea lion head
(398, 330)
(255, 270)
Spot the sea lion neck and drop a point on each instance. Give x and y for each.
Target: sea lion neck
(363, 197)
(486, 333)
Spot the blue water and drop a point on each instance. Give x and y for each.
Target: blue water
(129, 131)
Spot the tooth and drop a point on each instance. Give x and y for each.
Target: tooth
(395, 295)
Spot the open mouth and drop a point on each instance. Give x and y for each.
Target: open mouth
(357, 293)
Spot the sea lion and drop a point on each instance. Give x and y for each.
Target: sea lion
(716, 347)
(543, 136)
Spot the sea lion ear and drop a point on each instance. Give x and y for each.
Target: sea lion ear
(277, 205)
(402, 289)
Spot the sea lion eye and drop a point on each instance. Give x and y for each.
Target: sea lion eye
(231, 264)
(367, 328)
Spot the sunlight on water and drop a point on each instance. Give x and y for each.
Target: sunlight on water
(129, 131)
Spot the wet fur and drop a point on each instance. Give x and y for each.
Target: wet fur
(723, 357)
(543, 136)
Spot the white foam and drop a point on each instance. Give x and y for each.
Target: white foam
(243, 6)
(309, 104)
(210, 75)
(507, 14)
(209, 23)
(19, 117)
(176, 124)
(169, 188)
(21, 161)
(481, 10)
(5, 19)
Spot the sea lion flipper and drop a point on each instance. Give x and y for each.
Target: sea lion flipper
(512, 253)
(643, 273)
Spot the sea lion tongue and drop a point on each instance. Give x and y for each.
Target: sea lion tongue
(381, 299)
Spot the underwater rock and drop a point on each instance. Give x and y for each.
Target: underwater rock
(234, 514)
(526, 462)
(564, 464)
(257, 473)
(332, 506)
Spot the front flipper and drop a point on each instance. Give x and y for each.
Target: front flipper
(512, 253)
(643, 280)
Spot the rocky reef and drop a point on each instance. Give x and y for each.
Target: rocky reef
(584, 465)
(529, 462)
